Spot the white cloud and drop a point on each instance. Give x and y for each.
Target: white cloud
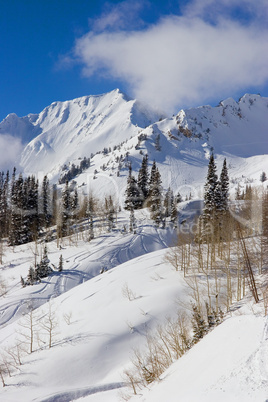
(182, 59)
(114, 16)
(10, 151)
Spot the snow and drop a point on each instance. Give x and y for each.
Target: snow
(102, 317)
(228, 364)
(66, 131)
(98, 326)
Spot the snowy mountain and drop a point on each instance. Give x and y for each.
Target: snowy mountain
(71, 335)
(65, 132)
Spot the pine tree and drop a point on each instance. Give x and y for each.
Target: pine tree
(143, 177)
(110, 211)
(157, 142)
(74, 203)
(155, 197)
(45, 203)
(199, 325)
(60, 268)
(174, 212)
(168, 202)
(178, 198)
(43, 269)
(66, 210)
(224, 189)
(263, 177)
(133, 196)
(211, 190)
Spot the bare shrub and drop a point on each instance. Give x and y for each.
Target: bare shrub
(128, 293)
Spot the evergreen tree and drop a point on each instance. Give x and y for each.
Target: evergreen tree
(143, 177)
(178, 198)
(133, 196)
(168, 202)
(43, 269)
(263, 177)
(199, 325)
(4, 209)
(110, 211)
(222, 205)
(45, 203)
(157, 142)
(66, 210)
(60, 263)
(31, 278)
(155, 197)
(174, 212)
(211, 195)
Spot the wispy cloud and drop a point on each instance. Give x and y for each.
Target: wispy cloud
(10, 151)
(182, 59)
(119, 16)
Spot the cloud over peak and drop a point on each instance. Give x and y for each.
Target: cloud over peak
(181, 59)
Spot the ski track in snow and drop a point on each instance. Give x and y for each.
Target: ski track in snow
(80, 393)
(106, 253)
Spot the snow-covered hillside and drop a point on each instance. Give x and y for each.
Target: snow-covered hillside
(116, 289)
(65, 132)
(98, 319)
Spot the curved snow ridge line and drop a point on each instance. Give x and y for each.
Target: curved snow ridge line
(80, 393)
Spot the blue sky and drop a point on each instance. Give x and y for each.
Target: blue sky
(170, 53)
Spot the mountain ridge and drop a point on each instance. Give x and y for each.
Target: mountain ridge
(65, 132)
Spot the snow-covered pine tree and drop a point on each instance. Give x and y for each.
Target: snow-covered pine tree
(143, 177)
(133, 196)
(208, 215)
(199, 325)
(110, 212)
(168, 202)
(4, 209)
(43, 269)
(224, 189)
(66, 210)
(155, 197)
(178, 198)
(157, 142)
(60, 268)
(74, 203)
(174, 212)
(45, 203)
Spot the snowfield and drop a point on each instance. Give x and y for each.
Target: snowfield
(101, 318)
(119, 288)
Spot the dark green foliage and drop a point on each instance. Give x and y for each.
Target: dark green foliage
(143, 177)
(199, 324)
(45, 212)
(60, 268)
(42, 270)
(155, 196)
(24, 217)
(133, 194)
(73, 171)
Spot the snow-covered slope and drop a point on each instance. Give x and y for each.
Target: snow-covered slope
(66, 131)
(97, 326)
(77, 128)
(229, 364)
